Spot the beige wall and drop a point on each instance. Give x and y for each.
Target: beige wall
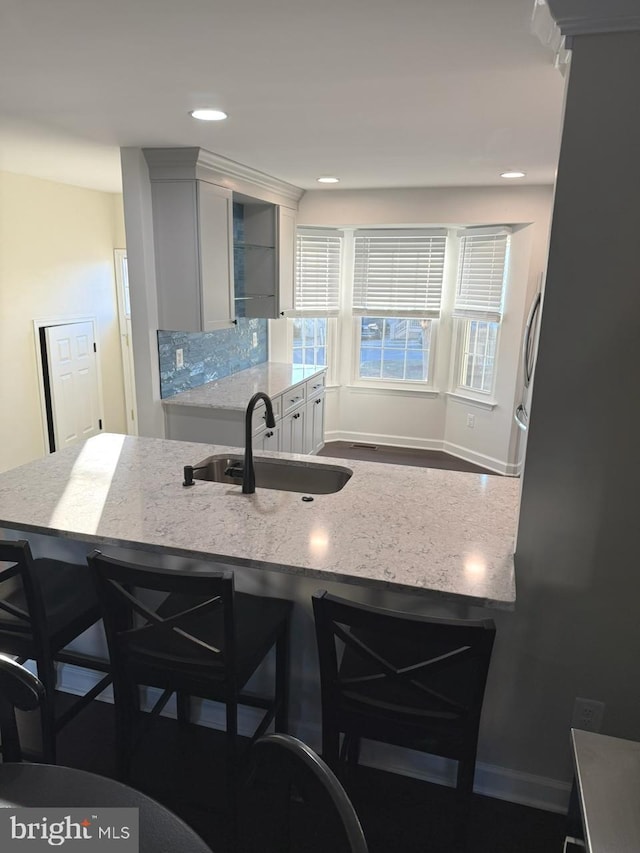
(56, 261)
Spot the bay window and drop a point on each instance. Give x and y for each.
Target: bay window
(386, 291)
(397, 292)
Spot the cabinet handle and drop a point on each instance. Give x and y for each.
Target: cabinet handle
(295, 399)
(296, 416)
(318, 402)
(269, 435)
(282, 313)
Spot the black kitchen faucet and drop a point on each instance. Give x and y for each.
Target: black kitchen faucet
(248, 474)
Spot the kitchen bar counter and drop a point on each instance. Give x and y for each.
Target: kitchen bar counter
(234, 392)
(397, 528)
(607, 772)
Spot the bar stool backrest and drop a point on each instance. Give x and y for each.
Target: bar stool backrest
(18, 689)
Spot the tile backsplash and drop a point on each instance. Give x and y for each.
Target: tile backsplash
(209, 355)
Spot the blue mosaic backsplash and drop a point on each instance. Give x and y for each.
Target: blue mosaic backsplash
(209, 355)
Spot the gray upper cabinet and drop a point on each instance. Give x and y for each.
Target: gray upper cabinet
(224, 239)
(263, 254)
(192, 232)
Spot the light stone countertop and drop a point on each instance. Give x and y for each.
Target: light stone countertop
(425, 530)
(235, 391)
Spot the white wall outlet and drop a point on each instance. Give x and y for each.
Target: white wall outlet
(254, 340)
(587, 714)
(179, 358)
(471, 421)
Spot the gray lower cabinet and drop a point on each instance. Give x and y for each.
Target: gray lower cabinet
(298, 412)
(293, 433)
(268, 439)
(314, 424)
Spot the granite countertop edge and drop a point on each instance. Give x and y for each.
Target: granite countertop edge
(234, 391)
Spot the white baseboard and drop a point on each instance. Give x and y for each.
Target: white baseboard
(490, 462)
(497, 465)
(383, 440)
(501, 783)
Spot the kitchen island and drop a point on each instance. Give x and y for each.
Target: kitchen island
(443, 534)
(413, 539)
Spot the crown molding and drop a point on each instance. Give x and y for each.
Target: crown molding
(584, 17)
(544, 27)
(181, 164)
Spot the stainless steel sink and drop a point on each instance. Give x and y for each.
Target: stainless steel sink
(282, 474)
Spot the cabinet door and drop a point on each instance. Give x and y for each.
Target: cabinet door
(286, 258)
(215, 235)
(268, 439)
(193, 254)
(314, 427)
(292, 436)
(175, 228)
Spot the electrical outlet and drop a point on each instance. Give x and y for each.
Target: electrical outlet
(471, 421)
(179, 358)
(587, 714)
(254, 340)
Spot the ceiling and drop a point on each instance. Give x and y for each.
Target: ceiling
(382, 93)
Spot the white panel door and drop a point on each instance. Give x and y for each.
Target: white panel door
(73, 382)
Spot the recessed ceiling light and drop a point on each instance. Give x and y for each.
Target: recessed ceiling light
(328, 180)
(208, 115)
(514, 174)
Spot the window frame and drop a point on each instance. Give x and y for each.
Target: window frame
(355, 314)
(457, 389)
(462, 323)
(415, 385)
(330, 345)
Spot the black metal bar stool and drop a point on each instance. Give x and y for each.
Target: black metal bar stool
(44, 605)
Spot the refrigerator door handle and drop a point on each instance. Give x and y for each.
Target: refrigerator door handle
(521, 417)
(528, 342)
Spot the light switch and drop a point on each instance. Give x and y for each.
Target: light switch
(179, 358)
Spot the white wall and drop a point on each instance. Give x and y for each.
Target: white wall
(144, 296)
(56, 260)
(440, 422)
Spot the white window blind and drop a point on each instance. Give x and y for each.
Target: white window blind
(482, 272)
(318, 253)
(398, 272)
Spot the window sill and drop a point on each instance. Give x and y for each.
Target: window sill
(409, 391)
(468, 400)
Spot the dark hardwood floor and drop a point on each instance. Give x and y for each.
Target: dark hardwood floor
(182, 767)
(400, 456)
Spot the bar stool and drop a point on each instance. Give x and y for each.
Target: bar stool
(44, 605)
(201, 639)
(403, 679)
